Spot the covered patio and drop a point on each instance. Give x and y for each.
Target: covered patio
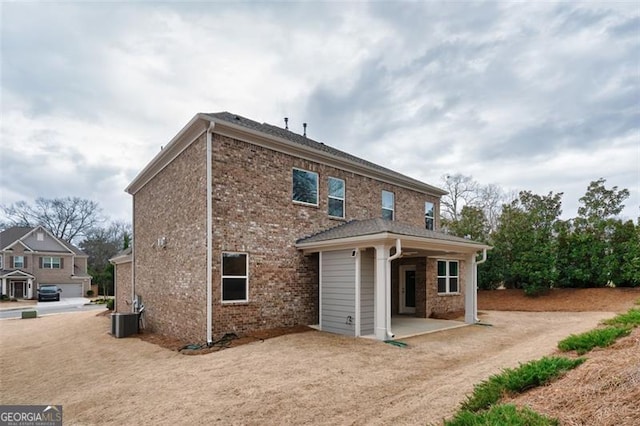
(372, 270)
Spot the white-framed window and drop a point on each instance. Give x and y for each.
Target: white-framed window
(388, 205)
(235, 277)
(448, 276)
(429, 216)
(336, 197)
(305, 187)
(51, 262)
(18, 261)
(40, 236)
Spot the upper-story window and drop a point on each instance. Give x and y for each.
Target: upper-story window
(336, 198)
(305, 187)
(388, 205)
(1, 264)
(429, 216)
(448, 276)
(49, 262)
(18, 261)
(40, 236)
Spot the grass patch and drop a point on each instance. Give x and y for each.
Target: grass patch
(503, 414)
(584, 342)
(628, 319)
(518, 380)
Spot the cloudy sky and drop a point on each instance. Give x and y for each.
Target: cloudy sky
(542, 96)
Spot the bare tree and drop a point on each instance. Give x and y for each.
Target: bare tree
(462, 191)
(68, 218)
(490, 200)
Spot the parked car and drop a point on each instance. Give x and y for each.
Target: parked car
(49, 292)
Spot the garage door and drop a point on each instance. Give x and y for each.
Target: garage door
(70, 290)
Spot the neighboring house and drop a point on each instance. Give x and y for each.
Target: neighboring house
(32, 256)
(240, 226)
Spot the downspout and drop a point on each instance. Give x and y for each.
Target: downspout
(475, 283)
(387, 286)
(209, 236)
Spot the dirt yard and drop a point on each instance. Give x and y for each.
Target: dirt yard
(303, 378)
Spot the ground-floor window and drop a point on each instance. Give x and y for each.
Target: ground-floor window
(235, 277)
(448, 276)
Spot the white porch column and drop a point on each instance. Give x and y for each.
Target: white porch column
(380, 294)
(29, 288)
(470, 290)
(4, 286)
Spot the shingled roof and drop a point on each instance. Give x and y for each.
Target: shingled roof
(358, 228)
(15, 233)
(310, 143)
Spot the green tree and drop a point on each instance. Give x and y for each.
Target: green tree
(524, 243)
(471, 223)
(592, 247)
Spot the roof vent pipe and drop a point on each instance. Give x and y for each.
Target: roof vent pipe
(286, 123)
(304, 125)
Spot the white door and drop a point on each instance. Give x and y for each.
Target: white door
(407, 289)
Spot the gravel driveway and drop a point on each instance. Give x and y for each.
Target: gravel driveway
(303, 378)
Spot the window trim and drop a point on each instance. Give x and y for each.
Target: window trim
(1, 261)
(21, 262)
(432, 217)
(246, 278)
(343, 199)
(51, 263)
(447, 276)
(304, 203)
(393, 206)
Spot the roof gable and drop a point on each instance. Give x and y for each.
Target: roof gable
(36, 238)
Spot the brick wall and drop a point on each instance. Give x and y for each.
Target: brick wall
(172, 280)
(252, 213)
(123, 287)
(444, 305)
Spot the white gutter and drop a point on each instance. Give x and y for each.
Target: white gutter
(209, 235)
(475, 283)
(387, 286)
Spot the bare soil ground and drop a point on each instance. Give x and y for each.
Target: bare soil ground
(303, 378)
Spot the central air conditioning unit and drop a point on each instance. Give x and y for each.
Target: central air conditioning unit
(123, 325)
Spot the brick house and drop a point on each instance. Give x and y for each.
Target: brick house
(240, 226)
(32, 256)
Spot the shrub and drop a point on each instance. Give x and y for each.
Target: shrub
(584, 342)
(4, 297)
(503, 414)
(628, 319)
(110, 303)
(511, 381)
(89, 293)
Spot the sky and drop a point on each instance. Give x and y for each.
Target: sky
(537, 96)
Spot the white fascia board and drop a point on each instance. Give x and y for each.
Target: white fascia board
(18, 242)
(127, 258)
(181, 141)
(408, 242)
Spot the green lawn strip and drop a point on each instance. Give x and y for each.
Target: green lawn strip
(502, 414)
(628, 319)
(599, 337)
(517, 380)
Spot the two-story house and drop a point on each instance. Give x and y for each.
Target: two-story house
(241, 226)
(32, 256)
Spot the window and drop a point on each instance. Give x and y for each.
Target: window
(18, 261)
(447, 276)
(48, 262)
(305, 187)
(235, 277)
(387, 204)
(336, 197)
(40, 236)
(429, 218)
(1, 267)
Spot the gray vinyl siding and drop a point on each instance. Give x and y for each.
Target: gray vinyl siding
(367, 265)
(338, 292)
(48, 244)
